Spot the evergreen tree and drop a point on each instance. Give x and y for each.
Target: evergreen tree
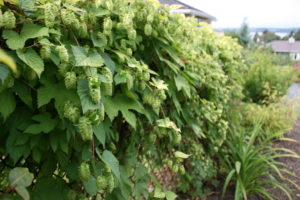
(244, 34)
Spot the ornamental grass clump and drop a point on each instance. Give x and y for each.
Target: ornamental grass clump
(253, 166)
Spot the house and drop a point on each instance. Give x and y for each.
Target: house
(190, 11)
(289, 47)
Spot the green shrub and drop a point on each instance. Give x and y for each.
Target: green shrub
(265, 81)
(252, 164)
(275, 118)
(106, 90)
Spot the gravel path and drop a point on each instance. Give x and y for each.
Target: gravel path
(293, 164)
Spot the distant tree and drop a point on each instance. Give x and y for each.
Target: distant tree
(291, 34)
(268, 36)
(244, 34)
(257, 38)
(297, 35)
(233, 34)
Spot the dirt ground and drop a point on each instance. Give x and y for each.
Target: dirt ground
(293, 164)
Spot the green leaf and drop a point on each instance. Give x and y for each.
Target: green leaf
(84, 95)
(24, 92)
(120, 78)
(22, 191)
(158, 193)
(13, 40)
(33, 60)
(108, 62)
(99, 12)
(111, 161)
(48, 188)
(182, 84)
(45, 94)
(170, 195)
(27, 4)
(10, 104)
(91, 186)
(54, 140)
(93, 59)
(20, 177)
(237, 167)
(4, 72)
(97, 42)
(167, 123)
(99, 132)
(49, 91)
(123, 103)
(29, 31)
(36, 155)
(45, 125)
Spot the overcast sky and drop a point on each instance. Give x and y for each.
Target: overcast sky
(260, 13)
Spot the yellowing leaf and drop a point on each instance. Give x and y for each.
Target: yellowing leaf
(179, 154)
(6, 59)
(15, 2)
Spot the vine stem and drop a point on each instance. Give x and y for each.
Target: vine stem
(93, 148)
(7, 191)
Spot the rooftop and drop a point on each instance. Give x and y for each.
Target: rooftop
(285, 46)
(187, 9)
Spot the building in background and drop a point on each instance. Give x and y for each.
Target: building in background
(289, 47)
(190, 11)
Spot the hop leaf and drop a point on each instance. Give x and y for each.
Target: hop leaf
(162, 95)
(101, 183)
(94, 90)
(107, 26)
(82, 32)
(9, 20)
(177, 138)
(50, 12)
(111, 183)
(101, 112)
(95, 95)
(71, 112)
(148, 29)
(94, 117)
(84, 172)
(150, 18)
(45, 52)
(131, 34)
(107, 87)
(70, 80)
(63, 68)
(62, 53)
(9, 82)
(85, 129)
(109, 5)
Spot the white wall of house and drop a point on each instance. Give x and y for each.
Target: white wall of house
(295, 55)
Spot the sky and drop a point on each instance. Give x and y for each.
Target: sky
(259, 13)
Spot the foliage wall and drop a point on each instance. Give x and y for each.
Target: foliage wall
(107, 92)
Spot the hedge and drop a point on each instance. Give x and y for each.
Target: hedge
(106, 92)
